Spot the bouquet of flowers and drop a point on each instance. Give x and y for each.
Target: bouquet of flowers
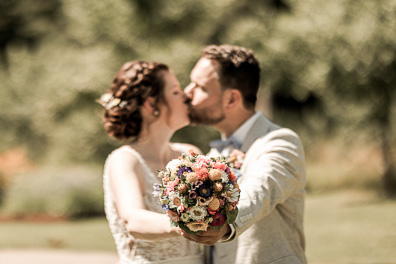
(198, 192)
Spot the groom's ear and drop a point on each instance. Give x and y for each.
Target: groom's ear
(233, 98)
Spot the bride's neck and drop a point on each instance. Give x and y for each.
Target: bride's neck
(154, 144)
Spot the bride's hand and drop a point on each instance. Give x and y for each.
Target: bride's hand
(176, 230)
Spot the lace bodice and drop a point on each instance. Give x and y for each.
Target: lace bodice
(132, 250)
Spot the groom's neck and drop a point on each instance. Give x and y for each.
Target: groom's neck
(233, 121)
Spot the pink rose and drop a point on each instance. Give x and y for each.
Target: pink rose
(202, 161)
(219, 165)
(202, 173)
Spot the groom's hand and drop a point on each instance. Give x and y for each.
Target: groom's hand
(209, 237)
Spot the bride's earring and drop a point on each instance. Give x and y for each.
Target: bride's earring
(156, 113)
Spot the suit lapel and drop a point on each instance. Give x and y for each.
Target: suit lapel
(260, 128)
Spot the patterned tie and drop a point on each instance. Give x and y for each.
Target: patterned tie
(220, 145)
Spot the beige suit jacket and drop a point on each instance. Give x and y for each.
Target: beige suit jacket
(269, 226)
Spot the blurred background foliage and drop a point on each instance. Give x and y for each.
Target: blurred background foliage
(328, 72)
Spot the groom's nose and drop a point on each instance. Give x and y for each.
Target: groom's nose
(189, 91)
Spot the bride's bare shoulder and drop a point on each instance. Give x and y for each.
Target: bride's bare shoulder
(125, 154)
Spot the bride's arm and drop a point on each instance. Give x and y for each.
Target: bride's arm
(127, 185)
(185, 148)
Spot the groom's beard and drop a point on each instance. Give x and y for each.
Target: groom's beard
(206, 116)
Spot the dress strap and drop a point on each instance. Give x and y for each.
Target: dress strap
(142, 162)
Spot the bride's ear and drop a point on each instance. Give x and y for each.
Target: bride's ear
(150, 106)
(149, 103)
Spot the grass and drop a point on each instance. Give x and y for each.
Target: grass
(84, 235)
(341, 227)
(350, 227)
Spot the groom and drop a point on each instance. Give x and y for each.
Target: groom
(269, 226)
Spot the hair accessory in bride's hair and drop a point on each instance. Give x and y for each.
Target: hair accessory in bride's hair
(109, 101)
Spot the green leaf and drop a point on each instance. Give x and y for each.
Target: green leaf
(217, 227)
(231, 216)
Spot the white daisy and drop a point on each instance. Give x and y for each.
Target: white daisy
(173, 164)
(175, 200)
(197, 213)
(232, 195)
(224, 176)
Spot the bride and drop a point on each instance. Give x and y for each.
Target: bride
(143, 108)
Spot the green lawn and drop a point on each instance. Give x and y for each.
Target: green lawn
(86, 235)
(350, 227)
(345, 227)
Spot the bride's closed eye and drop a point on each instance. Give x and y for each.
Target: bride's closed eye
(177, 91)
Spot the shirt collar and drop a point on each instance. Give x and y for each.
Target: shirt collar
(240, 134)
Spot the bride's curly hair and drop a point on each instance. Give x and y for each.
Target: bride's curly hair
(133, 84)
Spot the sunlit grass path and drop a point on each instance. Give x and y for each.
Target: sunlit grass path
(81, 235)
(53, 256)
(344, 227)
(350, 227)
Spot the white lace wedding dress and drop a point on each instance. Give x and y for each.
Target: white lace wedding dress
(131, 250)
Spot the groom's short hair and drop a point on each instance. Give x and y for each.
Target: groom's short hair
(239, 69)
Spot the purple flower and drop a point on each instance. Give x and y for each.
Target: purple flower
(192, 195)
(182, 170)
(157, 191)
(205, 190)
(165, 207)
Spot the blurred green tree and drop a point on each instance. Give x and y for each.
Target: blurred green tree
(327, 66)
(330, 67)
(363, 72)
(25, 23)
